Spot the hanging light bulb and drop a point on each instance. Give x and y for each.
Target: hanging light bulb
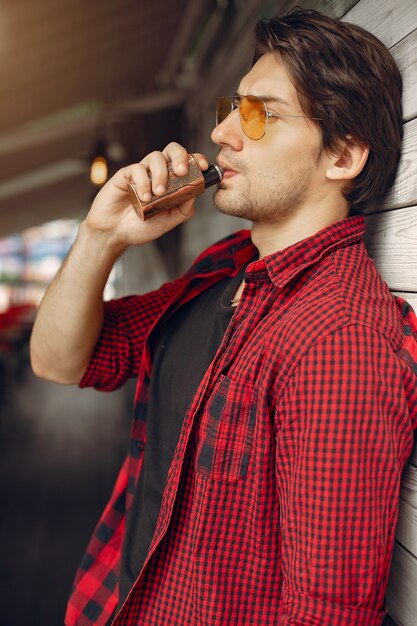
(98, 171)
(99, 166)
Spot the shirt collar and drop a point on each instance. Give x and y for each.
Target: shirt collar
(284, 265)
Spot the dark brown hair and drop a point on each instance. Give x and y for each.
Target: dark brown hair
(345, 76)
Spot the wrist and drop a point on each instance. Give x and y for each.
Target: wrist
(99, 243)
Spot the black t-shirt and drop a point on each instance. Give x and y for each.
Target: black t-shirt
(183, 351)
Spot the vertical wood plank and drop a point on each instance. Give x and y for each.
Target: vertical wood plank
(406, 532)
(388, 20)
(405, 54)
(401, 593)
(391, 241)
(404, 191)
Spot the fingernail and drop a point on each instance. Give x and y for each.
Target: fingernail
(181, 167)
(146, 196)
(160, 189)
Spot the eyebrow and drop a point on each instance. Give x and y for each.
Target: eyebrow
(267, 98)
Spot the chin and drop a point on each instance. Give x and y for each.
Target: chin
(229, 205)
(229, 208)
(233, 211)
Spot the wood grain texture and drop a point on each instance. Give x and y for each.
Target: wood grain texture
(404, 191)
(405, 54)
(406, 532)
(401, 592)
(391, 241)
(333, 8)
(389, 20)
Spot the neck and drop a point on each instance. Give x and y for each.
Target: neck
(271, 237)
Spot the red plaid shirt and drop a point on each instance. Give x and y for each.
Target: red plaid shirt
(282, 498)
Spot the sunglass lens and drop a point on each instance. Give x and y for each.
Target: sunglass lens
(224, 108)
(252, 113)
(253, 117)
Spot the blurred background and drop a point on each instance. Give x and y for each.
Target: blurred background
(85, 88)
(83, 83)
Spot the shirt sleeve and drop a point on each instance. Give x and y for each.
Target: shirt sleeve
(343, 437)
(118, 351)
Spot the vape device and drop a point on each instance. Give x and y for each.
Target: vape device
(179, 189)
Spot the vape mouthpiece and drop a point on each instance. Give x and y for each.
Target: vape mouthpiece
(212, 175)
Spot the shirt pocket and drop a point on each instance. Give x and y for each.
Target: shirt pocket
(226, 431)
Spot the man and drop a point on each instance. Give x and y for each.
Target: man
(275, 378)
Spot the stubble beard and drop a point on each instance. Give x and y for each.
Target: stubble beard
(269, 203)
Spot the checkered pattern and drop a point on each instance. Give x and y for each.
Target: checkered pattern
(282, 498)
(227, 434)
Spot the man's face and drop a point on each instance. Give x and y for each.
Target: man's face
(269, 179)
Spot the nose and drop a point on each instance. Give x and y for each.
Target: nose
(229, 132)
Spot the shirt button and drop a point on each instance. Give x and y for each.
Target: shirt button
(140, 445)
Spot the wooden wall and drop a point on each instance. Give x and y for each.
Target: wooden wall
(391, 231)
(392, 242)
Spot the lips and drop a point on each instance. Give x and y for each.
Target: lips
(227, 170)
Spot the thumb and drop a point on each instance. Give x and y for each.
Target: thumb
(186, 209)
(173, 217)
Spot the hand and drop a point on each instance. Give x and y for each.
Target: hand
(112, 214)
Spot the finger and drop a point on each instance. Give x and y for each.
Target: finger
(178, 156)
(179, 214)
(158, 171)
(167, 220)
(140, 177)
(201, 160)
(135, 173)
(187, 209)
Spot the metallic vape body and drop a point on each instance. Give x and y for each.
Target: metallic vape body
(179, 189)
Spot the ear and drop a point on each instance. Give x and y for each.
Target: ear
(349, 159)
